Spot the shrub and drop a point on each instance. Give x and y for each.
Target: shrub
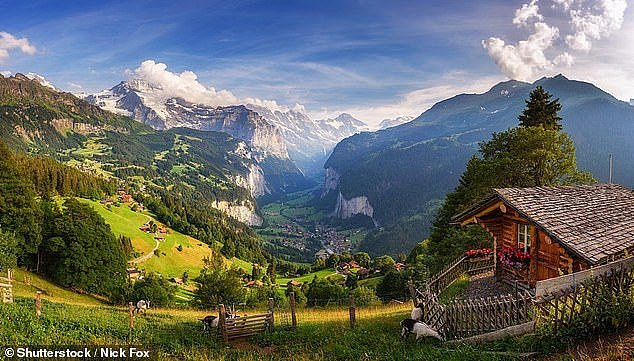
(322, 292)
(154, 288)
(364, 296)
(392, 286)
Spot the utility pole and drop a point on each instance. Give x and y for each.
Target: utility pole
(611, 168)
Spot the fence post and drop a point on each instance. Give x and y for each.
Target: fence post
(271, 308)
(353, 315)
(131, 314)
(412, 292)
(221, 324)
(293, 315)
(10, 275)
(38, 303)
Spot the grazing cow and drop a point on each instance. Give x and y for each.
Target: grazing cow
(142, 306)
(420, 329)
(417, 313)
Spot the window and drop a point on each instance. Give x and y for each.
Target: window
(524, 237)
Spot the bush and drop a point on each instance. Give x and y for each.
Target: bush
(259, 296)
(218, 286)
(300, 297)
(322, 292)
(154, 288)
(607, 311)
(364, 296)
(392, 287)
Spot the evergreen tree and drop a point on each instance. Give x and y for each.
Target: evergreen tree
(83, 253)
(541, 111)
(8, 245)
(534, 154)
(19, 210)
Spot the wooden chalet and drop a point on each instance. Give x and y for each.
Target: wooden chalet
(544, 232)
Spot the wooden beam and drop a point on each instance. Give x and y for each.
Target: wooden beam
(486, 210)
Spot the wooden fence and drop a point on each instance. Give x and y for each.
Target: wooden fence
(557, 302)
(471, 317)
(559, 308)
(6, 287)
(457, 268)
(464, 318)
(246, 326)
(553, 285)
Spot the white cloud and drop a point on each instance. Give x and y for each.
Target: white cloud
(415, 102)
(527, 12)
(564, 59)
(5, 73)
(520, 60)
(566, 4)
(9, 42)
(186, 85)
(589, 20)
(595, 23)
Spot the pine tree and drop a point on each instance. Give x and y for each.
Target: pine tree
(541, 111)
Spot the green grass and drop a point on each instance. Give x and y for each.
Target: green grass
(371, 282)
(246, 266)
(307, 277)
(50, 291)
(171, 262)
(123, 221)
(454, 289)
(177, 335)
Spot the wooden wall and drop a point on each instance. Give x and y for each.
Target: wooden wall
(548, 258)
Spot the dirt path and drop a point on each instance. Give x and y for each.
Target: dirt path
(147, 256)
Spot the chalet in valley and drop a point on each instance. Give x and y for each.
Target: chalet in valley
(544, 232)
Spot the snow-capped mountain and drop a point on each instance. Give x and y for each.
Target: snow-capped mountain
(147, 103)
(285, 133)
(41, 80)
(310, 141)
(389, 123)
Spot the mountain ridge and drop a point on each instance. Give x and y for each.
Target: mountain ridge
(440, 141)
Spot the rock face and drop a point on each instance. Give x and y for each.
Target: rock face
(254, 181)
(243, 212)
(138, 100)
(347, 208)
(275, 173)
(331, 180)
(310, 141)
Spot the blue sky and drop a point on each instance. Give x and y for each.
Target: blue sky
(374, 59)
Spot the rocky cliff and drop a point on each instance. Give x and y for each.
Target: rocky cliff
(347, 208)
(243, 212)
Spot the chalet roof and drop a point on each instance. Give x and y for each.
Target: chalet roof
(592, 221)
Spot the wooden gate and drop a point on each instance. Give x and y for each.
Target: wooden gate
(6, 288)
(246, 326)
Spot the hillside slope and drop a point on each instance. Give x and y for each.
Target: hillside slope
(398, 175)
